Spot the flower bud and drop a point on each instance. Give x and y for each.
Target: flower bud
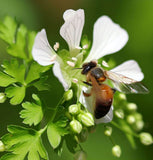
(108, 131)
(119, 113)
(130, 119)
(146, 138)
(68, 95)
(80, 155)
(2, 146)
(138, 126)
(76, 126)
(131, 107)
(86, 118)
(74, 109)
(116, 151)
(138, 116)
(122, 96)
(2, 97)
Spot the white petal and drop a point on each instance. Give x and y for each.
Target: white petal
(107, 118)
(58, 73)
(88, 102)
(129, 69)
(108, 37)
(71, 30)
(42, 51)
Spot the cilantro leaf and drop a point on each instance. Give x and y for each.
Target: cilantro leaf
(17, 49)
(35, 71)
(32, 113)
(16, 93)
(31, 37)
(15, 70)
(21, 142)
(6, 80)
(8, 29)
(54, 133)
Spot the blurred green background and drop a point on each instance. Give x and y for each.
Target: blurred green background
(136, 16)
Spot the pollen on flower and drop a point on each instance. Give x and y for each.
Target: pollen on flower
(74, 58)
(56, 46)
(85, 46)
(105, 64)
(72, 64)
(53, 58)
(75, 80)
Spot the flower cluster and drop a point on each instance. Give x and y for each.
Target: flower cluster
(74, 116)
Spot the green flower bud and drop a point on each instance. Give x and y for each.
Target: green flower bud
(146, 138)
(74, 109)
(108, 131)
(122, 96)
(80, 155)
(2, 97)
(86, 118)
(2, 146)
(119, 113)
(138, 116)
(116, 151)
(130, 119)
(131, 107)
(138, 126)
(76, 126)
(68, 95)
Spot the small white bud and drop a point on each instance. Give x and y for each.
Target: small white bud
(138, 116)
(86, 118)
(72, 64)
(2, 97)
(122, 96)
(146, 138)
(131, 106)
(116, 151)
(119, 113)
(74, 109)
(68, 95)
(130, 119)
(76, 126)
(108, 131)
(138, 126)
(2, 146)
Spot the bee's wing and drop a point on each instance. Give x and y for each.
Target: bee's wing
(126, 78)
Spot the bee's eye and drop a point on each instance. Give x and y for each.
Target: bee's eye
(88, 66)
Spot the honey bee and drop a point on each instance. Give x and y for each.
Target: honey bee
(103, 93)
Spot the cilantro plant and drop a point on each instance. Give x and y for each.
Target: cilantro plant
(73, 118)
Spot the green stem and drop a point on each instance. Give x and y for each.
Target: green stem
(117, 126)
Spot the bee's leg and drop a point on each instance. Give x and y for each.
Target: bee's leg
(87, 83)
(87, 94)
(114, 90)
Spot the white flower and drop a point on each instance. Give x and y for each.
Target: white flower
(108, 37)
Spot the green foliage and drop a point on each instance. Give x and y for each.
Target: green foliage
(21, 142)
(8, 29)
(16, 93)
(32, 112)
(15, 70)
(55, 131)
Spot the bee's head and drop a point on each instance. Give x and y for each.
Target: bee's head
(86, 67)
